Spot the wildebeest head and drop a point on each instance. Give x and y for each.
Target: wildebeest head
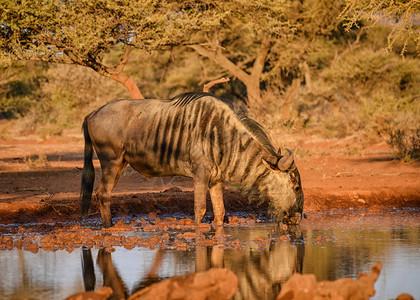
(283, 188)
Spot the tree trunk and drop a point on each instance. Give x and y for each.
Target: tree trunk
(253, 91)
(129, 84)
(125, 80)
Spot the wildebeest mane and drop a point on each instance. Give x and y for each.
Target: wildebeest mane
(257, 132)
(253, 127)
(188, 97)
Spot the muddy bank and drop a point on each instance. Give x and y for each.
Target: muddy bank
(30, 205)
(174, 201)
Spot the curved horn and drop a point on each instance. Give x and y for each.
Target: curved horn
(286, 161)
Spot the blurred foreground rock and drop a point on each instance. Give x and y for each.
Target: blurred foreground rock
(405, 297)
(305, 287)
(214, 284)
(101, 294)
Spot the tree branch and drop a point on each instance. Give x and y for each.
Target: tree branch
(210, 84)
(223, 61)
(124, 59)
(252, 82)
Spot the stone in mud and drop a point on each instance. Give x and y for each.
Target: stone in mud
(32, 247)
(305, 287)
(101, 294)
(214, 284)
(119, 227)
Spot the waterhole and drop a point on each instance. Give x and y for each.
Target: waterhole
(263, 255)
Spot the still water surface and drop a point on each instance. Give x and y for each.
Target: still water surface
(330, 248)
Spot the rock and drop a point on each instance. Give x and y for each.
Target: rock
(214, 284)
(101, 294)
(305, 287)
(405, 297)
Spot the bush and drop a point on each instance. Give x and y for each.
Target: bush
(19, 89)
(364, 93)
(65, 98)
(405, 146)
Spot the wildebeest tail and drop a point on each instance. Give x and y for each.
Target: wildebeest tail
(88, 175)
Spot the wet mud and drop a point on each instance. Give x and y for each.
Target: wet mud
(171, 234)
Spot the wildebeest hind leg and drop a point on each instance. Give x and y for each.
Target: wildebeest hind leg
(111, 172)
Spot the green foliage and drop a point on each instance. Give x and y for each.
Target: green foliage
(168, 72)
(81, 31)
(374, 69)
(402, 14)
(60, 100)
(19, 88)
(17, 105)
(362, 92)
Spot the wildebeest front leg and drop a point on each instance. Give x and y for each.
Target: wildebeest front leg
(216, 195)
(200, 193)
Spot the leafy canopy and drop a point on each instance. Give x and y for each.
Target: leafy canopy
(80, 31)
(403, 15)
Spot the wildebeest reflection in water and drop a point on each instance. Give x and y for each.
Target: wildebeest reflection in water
(111, 277)
(260, 273)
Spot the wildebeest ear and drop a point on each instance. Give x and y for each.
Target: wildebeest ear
(268, 164)
(286, 162)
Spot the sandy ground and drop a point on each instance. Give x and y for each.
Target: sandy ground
(40, 180)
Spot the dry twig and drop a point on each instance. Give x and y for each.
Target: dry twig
(210, 84)
(49, 202)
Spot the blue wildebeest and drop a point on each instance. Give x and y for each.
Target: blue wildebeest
(196, 135)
